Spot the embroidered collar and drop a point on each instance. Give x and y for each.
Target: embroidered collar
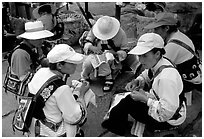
(57, 73)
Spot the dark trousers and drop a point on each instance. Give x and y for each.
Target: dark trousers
(118, 119)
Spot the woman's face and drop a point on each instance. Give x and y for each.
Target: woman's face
(161, 31)
(37, 43)
(68, 68)
(148, 60)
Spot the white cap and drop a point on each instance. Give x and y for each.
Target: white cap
(146, 43)
(64, 52)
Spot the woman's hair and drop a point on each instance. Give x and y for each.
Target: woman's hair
(53, 66)
(162, 51)
(172, 28)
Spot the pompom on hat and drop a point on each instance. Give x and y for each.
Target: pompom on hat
(36, 10)
(106, 27)
(163, 18)
(34, 31)
(146, 43)
(64, 52)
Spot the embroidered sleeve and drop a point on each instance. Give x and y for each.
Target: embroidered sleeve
(83, 111)
(159, 110)
(164, 108)
(72, 110)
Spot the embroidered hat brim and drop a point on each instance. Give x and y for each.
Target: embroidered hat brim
(35, 30)
(36, 35)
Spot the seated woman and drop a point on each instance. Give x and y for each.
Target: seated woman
(108, 38)
(162, 105)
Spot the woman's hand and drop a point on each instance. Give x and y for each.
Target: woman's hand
(134, 85)
(121, 55)
(84, 88)
(139, 96)
(95, 50)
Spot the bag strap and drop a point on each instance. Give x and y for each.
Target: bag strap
(176, 114)
(112, 45)
(184, 45)
(56, 80)
(6, 79)
(159, 70)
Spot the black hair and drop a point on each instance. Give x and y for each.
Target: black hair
(53, 66)
(45, 8)
(153, 6)
(172, 28)
(162, 51)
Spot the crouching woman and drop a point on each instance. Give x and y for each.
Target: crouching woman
(62, 111)
(155, 97)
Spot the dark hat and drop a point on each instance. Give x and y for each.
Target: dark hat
(163, 18)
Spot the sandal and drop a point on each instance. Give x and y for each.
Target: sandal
(108, 85)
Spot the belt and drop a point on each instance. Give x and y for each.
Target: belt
(52, 125)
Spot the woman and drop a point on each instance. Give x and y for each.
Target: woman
(61, 107)
(106, 36)
(158, 105)
(166, 25)
(23, 62)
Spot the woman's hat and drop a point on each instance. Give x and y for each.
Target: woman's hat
(34, 31)
(146, 43)
(106, 27)
(44, 7)
(64, 52)
(163, 18)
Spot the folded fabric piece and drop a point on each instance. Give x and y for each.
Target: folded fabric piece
(97, 60)
(116, 99)
(137, 129)
(89, 97)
